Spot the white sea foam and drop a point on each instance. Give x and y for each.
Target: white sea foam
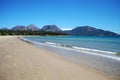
(50, 43)
(106, 54)
(94, 50)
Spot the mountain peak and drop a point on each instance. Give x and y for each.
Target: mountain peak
(4, 28)
(29, 27)
(19, 27)
(90, 31)
(32, 27)
(52, 28)
(86, 27)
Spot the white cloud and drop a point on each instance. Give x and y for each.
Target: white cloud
(66, 28)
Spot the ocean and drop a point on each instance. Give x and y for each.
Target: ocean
(94, 52)
(99, 43)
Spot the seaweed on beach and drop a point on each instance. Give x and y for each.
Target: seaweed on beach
(69, 46)
(25, 40)
(63, 45)
(118, 53)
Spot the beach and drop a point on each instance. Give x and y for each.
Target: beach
(20, 60)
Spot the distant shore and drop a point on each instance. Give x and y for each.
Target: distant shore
(22, 61)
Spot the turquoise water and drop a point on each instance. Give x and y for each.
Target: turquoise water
(98, 43)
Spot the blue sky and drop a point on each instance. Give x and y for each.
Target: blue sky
(66, 14)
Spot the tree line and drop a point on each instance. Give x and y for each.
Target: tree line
(26, 32)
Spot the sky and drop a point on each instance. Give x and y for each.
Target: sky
(66, 14)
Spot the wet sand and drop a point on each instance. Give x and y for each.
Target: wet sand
(22, 61)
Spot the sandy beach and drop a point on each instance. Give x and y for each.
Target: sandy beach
(23, 61)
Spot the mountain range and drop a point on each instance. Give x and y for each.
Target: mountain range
(90, 31)
(30, 27)
(78, 31)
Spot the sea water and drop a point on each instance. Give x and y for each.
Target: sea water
(102, 46)
(98, 43)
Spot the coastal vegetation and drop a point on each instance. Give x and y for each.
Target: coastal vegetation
(26, 32)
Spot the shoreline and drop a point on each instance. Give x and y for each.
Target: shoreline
(104, 64)
(103, 53)
(20, 60)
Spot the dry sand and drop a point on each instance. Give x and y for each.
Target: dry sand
(22, 61)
